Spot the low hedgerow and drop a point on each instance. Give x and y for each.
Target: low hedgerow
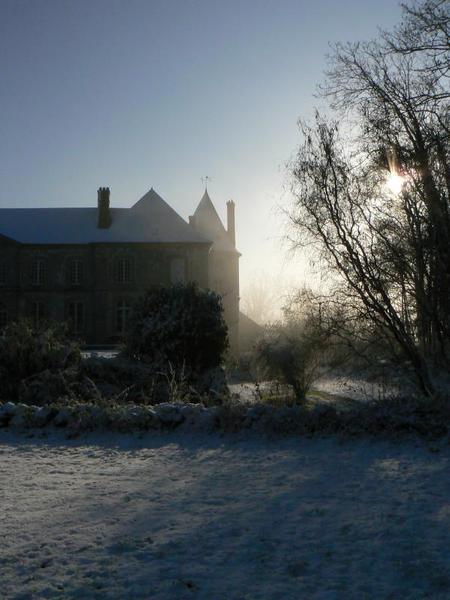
(394, 418)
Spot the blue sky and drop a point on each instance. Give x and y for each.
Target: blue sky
(134, 94)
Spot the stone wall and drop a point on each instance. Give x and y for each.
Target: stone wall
(110, 275)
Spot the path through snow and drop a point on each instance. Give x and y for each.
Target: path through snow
(222, 518)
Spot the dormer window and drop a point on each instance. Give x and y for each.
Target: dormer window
(123, 270)
(76, 272)
(38, 272)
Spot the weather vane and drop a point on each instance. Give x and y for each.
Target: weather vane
(205, 181)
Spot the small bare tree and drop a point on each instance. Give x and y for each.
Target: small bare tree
(293, 351)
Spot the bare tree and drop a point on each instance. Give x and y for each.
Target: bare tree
(425, 31)
(390, 250)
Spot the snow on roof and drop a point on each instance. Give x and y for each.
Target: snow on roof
(208, 222)
(150, 220)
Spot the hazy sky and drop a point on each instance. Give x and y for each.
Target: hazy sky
(139, 93)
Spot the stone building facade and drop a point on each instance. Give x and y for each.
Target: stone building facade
(87, 266)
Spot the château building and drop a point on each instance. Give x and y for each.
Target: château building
(87, 266)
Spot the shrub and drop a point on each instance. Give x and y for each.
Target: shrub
(291, 354)
(26, 351)
(181, 326)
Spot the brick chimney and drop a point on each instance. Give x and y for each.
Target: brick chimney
(231, 226)
(104, 217)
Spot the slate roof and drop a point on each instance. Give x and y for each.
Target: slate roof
(208, 222)
(150, 220)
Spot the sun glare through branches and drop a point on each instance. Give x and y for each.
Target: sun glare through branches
(395, 183)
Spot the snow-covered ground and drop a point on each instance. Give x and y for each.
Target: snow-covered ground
(355, 388)
(343, 387)
(177, 516)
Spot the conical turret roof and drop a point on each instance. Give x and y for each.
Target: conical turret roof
(207, 222)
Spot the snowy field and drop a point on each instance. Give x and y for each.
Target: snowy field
(176, 516)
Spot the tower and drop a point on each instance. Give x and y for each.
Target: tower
(223, 261)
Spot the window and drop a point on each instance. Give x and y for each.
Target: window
(123, 270)
(123, 312)
(37, 313)
(38, 272)
(3, 273)
(177, 270)
(76, 272)
(3, 316)
(75, 314)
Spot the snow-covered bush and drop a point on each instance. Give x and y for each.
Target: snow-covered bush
(428, 417)
(27, 351)
(181, 326)
(292, 354)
